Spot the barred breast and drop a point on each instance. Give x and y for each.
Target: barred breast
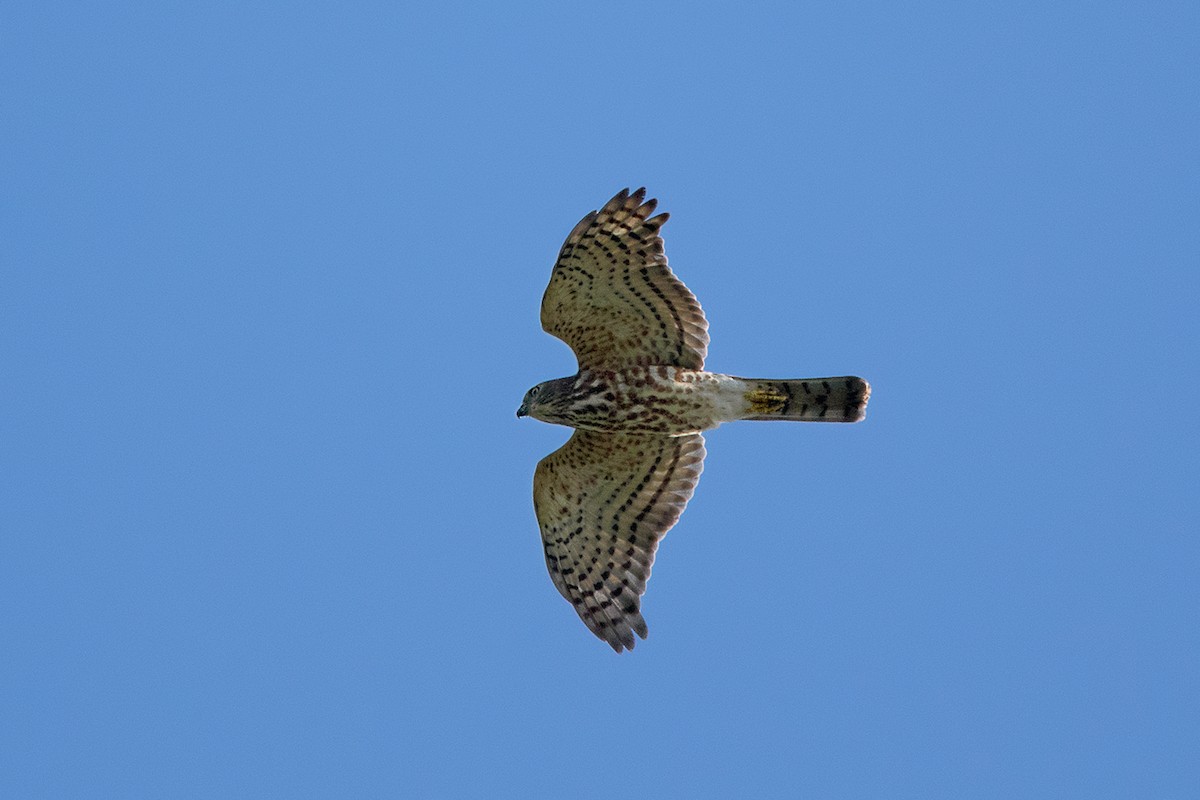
(662, 400)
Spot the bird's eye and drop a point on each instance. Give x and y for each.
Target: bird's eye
(533, 392)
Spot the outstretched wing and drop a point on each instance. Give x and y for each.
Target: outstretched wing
(603, 502)
(613, 298)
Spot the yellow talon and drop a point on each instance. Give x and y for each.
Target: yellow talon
(764, 401)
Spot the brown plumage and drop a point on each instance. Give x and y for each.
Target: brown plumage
(638, 403)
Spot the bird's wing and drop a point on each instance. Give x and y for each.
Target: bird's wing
(613, 298)
(603, 502)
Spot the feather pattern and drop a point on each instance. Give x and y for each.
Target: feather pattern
(613, 298)
(603, 503)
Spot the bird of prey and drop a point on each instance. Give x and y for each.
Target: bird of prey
(638, 403)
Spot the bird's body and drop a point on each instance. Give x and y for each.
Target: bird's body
(674, 401)
(638, 403)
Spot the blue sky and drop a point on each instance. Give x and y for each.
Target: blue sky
(269, 301)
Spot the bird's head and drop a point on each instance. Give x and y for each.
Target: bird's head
(548, 400)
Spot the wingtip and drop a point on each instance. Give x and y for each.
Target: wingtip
(618, 200)
(658, 220)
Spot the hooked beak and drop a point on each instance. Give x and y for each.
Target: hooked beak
(523, 411)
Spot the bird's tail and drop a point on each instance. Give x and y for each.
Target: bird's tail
(809, 399)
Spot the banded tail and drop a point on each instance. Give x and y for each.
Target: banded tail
(808, 399)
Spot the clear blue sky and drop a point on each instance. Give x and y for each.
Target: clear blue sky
(269, 301)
